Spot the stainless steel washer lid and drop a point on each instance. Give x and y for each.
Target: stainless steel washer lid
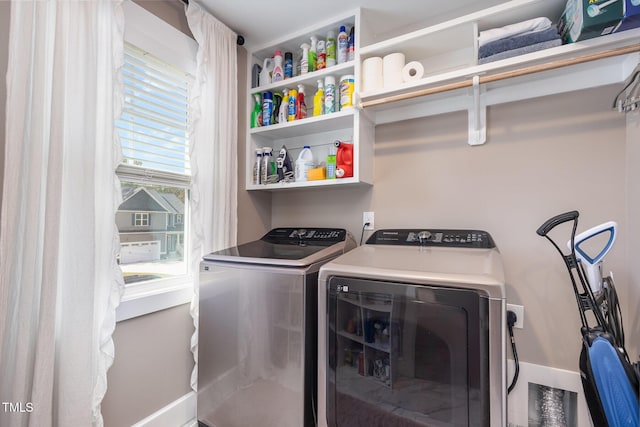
(289, 247)
(460, 267)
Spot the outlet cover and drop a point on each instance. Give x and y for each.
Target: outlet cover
(368, 217)
(519, 311)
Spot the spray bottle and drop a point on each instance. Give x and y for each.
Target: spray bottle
(318, 100)
(301, 106)
(304, 62)
(256, 113)
(322, 55)
(330, 48)
(343, 42)
(257, 166)
(313, 54)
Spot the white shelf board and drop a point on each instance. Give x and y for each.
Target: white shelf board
(309, 126)
(306, 184)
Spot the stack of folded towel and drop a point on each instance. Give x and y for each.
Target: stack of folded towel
(517, 39)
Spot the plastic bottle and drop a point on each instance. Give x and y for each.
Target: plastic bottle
(265, 74)
(264, 171)
(288, 65)
(267, 107)
(329, 95)
(344, 160)
(301, 106)
(283, 111)
(304, 163)
(257, 166)
(322, 55)
(351, 45)
(313, 54)
(331, 162)
(256, 113)
(293, 102)
(278, 71)
(346, 87)
(277, 102)
(343, 42)
(318, 100)
(330, 48)
(304, 62)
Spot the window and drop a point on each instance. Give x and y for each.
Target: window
(155, 173)
(140, 219)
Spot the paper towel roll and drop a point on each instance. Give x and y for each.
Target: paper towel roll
(412, 71)
(392, 69)
(372, 74)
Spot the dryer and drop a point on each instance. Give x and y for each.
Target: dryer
(412, 332)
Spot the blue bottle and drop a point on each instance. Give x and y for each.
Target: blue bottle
(267, 107)
(288, 65)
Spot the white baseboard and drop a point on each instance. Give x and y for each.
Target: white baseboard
(180, 412)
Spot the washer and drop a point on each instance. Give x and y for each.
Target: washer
(412, 332)
(257, 358)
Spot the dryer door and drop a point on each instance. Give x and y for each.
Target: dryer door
(406, 355)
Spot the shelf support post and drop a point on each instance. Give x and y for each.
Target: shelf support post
(477, 115)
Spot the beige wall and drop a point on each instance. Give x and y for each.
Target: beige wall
(543, 157)
(152, 366)
(5, 15)
(631, 298)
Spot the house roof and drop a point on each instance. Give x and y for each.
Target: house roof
(150, 200)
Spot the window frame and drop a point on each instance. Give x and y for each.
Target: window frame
(150, 33)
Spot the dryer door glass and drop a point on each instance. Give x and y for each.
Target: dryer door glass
(406, 355)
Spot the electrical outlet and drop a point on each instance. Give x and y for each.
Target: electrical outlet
(368, 217)
(519, 311)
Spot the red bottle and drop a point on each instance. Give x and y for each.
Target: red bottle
(301, 107)
(344, 160)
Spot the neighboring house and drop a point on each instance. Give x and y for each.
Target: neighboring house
(151, 225)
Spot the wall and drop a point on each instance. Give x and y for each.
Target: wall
(632, 297)
(544, 156)
(5, 15)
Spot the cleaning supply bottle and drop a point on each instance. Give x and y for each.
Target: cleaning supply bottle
(283, 111)
(267, 107)
(330, 48)
(351, 45)
(277, 102)
(301, 106)
(318, 100)
(288, 65)
(329, 95)
(313, 54)
(344, 160)
(304, 163)
(265, 74)
(278, 72)
(331, 163)
(256, 113)
(343, 42)
(293, 103)
(322, 55)
(264, 171)
(257, 166)
(304, 62)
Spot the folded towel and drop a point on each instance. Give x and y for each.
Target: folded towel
(535, 24)
(518, 41)
(521, 51)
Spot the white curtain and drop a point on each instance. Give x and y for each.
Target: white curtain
(59, 280)
(214, 150)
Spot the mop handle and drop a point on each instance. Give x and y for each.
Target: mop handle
(551, 223)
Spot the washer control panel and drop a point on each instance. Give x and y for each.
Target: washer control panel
(433, 237)
(288, 235)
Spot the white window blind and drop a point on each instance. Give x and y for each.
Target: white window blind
(153, 127)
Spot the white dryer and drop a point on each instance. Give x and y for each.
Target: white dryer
(412, 332)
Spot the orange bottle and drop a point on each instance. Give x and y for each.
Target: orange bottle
(344, 160)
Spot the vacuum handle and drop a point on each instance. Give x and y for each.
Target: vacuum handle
(551, 223)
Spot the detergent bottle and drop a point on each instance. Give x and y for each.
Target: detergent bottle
(304, 163)
(313, 54)
(278, 70)
(265, 74)
(304, 62)
(318, 100)
(301, 106)
(293, 103)
(344, 160)
(283, 111)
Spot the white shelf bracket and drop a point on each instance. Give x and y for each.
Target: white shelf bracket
(477, 115)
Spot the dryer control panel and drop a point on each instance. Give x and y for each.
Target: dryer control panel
(310, 235)
(433, 237)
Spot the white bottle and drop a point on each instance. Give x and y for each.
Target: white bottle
(304, 62)
(257, 166)
(343, 42)
(329, 95)
(304, 163)
(278, 70)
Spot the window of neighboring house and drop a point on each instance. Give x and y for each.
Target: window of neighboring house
(155, 173)
(141, 219)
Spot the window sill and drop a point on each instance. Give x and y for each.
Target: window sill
(146, 299)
